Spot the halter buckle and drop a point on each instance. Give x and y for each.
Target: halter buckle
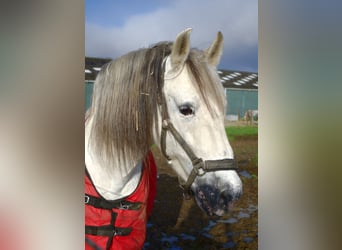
(187, 192)
(165, 123)
(187, 195)
(198, 164)
(124, 206)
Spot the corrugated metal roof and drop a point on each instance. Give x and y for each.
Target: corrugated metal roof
(229, 78)
(238, 79)
(93, 66)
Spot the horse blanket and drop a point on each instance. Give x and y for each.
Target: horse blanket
(120, 224)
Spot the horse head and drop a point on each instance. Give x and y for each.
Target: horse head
(191, 131)
(172, 96)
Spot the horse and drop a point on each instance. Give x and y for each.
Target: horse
(250, 116)
(168, 95)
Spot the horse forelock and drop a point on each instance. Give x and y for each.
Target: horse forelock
(124, 106)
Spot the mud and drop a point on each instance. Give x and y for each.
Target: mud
(176, 223)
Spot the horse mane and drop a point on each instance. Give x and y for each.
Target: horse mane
(124, 105)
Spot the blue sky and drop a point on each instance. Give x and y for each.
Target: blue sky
(113, 28)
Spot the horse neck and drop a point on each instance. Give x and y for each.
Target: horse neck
(111, 182)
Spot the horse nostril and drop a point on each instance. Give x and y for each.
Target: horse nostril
(226, 197)
(229, 195)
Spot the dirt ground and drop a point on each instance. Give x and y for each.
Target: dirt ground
(179, 224)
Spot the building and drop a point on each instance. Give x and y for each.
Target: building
(92, 67)
(241, 88)
(241, 92)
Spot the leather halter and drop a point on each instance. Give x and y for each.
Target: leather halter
(200, 166)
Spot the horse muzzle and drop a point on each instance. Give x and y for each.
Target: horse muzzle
(214, 201)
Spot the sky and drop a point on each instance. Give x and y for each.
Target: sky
(116, 27)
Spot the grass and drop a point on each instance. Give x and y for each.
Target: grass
(232, 132)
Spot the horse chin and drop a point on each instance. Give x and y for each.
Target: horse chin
(211, 203)
(214, 210)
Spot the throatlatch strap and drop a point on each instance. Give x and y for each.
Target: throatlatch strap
(102, 203)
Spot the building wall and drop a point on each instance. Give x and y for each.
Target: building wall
(88, 93)
(240, 100)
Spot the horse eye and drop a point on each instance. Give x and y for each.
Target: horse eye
(186, 110)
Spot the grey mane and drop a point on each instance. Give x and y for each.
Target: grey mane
(124, 105)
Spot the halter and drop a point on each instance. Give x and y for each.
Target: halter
(200, 166)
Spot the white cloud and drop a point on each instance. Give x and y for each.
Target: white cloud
(236, 19)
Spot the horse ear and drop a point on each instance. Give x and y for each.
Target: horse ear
(214, 52)
(181, 48)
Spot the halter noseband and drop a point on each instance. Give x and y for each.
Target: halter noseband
(200, 167)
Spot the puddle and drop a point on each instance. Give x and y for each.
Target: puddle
(230, 221)
(248, 239)
(187, 237)
(243, 215)
(245, 174)
(229, 244)
(252, 208)
(210, 225)
(207, 235)
(229, 234)
(169, 239)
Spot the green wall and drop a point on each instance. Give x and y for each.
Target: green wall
(88, 93)
(239, 101)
